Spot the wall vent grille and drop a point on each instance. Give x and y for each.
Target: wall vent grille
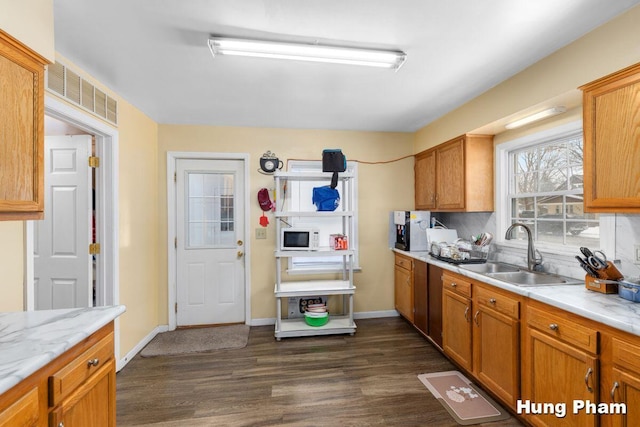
(64, 82)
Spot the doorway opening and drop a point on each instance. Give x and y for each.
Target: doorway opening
(105, 202)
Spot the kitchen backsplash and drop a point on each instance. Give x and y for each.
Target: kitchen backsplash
(627, 234)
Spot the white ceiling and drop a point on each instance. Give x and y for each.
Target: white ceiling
(154, 54)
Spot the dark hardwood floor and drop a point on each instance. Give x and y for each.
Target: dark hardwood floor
(369, 379)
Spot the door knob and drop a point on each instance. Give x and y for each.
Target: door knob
(240, 242)
(240, 253)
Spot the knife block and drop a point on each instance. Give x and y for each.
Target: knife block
(604, 286)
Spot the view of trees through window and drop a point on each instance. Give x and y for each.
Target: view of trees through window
(546, 193)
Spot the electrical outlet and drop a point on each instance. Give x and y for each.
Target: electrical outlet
(261, 233)
(636, 254)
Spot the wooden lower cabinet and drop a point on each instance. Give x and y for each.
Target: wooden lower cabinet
(496, 342)
(456, 320)
(403, 286)
(92, 404)
(560, 367)
(23, 412)
(620, 380)
(76, 389)
(625, 389)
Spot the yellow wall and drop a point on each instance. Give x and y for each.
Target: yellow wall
(613, 46)
(31, 22)
(382, 188)
(139, 267)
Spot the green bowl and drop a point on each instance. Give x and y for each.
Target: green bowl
(316, 321)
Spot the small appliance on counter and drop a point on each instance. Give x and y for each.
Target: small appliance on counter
(407, 230)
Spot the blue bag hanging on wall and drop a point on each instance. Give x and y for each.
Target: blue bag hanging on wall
(326, 198)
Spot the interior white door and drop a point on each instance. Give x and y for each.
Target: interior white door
(62, 264)
(210, 242)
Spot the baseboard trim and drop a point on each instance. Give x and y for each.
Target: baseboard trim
(138, 348)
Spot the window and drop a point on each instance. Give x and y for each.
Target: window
(540, 183)
(299, 199)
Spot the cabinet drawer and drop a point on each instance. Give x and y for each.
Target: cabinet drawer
(404, 262)
(66, 380)
(556, 325)
(498, 302)
(625, 355)
(23, 412)
(456, 284)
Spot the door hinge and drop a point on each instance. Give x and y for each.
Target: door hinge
(94, 248)
(176, 307)
(175, 177)
(94, 162)
(175, 242)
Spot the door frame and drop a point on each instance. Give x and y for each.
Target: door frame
(172, 268)
(107, 179)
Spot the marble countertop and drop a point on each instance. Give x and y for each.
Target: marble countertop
(608, 309)
(30, 340)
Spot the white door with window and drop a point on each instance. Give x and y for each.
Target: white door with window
(210, 286)
(62, 265)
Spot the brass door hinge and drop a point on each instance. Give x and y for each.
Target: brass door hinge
(94, 248)
(94, 162)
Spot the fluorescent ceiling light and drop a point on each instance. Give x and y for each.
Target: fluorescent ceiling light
(535, 117)
(306, 52)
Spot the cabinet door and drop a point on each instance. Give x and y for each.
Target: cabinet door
(404, 292)
(559, 373)
(24, 412)
(92, 404)
(612, 143)
(450, 176)
(22, 126)
(456, 329)
(626, 389)
(496, 344)
(425, 180)
(420, 297)
(434, 301)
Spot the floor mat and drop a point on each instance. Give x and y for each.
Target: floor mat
(465, 402)
(197, 340)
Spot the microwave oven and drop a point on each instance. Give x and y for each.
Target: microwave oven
(299, 239)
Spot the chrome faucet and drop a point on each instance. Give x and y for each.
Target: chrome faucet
(534, 263)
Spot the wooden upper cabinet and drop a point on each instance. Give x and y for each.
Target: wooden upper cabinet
(21, 131)
(611, 108)
(425, 180)
(456, 176)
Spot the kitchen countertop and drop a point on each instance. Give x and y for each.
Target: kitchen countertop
(29, 340)
(608, 309)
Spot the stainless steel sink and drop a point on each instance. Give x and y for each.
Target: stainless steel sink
(530, 278)
(491, 267)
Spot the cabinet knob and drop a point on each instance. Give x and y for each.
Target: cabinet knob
(93, 362)
(492, 301)
(475, 318)
(553, 326)
(60, 424)
(454, 284)
(466, 312)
